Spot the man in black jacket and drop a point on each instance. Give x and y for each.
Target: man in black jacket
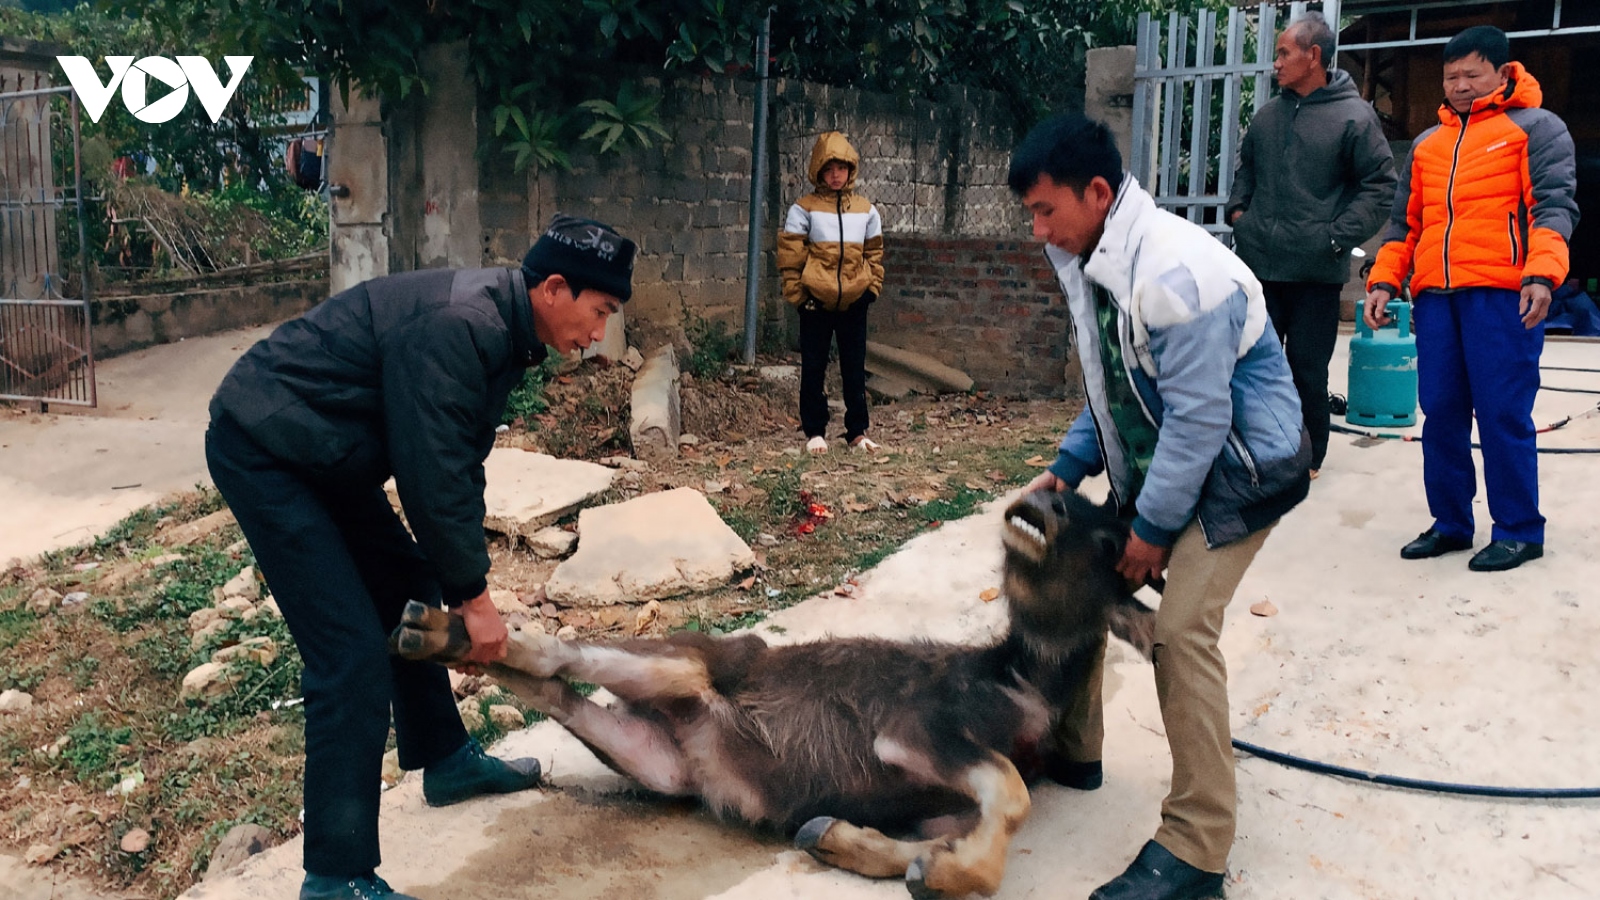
(405, 376)
(1315, 179)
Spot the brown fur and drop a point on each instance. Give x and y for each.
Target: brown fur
(847, 742)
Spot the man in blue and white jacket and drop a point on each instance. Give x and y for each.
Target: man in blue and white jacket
(1192, 414)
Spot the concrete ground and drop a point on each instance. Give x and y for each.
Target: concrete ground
(68, 475)
(1421, 669)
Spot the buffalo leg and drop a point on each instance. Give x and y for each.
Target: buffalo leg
(637, 747)
(975, 863)
(632, 745)
(972, 863)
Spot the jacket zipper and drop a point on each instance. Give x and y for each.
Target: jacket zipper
(1511, 232)
(838, 203)
(1244, 456)
(1450, 198)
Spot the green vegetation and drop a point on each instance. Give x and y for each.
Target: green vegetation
(712, 345)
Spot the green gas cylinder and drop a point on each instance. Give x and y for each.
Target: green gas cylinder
(1383, 372)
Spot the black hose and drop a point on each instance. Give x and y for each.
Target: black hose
(1417, 784)
(1417, 439)
(1566, 369)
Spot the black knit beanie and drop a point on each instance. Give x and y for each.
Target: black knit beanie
(585, 252)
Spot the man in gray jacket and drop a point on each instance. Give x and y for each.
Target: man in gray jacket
(1315, 179)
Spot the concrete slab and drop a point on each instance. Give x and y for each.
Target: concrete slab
(526, 491)
(654, 546)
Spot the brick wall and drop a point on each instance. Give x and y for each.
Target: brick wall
(991, 308)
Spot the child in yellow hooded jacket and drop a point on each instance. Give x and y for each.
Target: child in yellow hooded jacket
(830, 257)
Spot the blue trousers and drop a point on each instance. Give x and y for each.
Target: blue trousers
(1475, 357)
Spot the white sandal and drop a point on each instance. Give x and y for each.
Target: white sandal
(862, 442)
(817, 445)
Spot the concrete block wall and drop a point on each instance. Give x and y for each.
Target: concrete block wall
(991, 308)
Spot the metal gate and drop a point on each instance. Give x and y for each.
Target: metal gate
(46, 351)
(1190, 110)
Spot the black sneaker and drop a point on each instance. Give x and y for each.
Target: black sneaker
(360, 887)
(1155, 874)
(470, 772)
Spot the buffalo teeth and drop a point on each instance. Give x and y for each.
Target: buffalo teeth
(1028, 528)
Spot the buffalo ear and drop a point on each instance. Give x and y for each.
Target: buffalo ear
(1135, 623)
(1110, 542)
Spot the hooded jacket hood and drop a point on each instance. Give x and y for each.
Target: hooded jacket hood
(1340, 86)
(832, 145)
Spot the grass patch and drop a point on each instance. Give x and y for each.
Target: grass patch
(712, 344)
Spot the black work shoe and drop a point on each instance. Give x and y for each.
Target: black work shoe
(1431, 543)
(360, 887)
(1155, 874)
(1080, 776)
(1502, 555)
(469, 772)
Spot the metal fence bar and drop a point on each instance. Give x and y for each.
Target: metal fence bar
(1167, 182)
(1143, 98)
(1266, 26)
(1232, 85)
(1200, 143)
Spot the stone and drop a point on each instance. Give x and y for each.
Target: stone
(656, 413)
(15, 701)
(137, 840)
(74, 599)
(625, 462)
(779, 373)
(206, 682)
(392, 773)
(627, 556)
(507, 602)
(200, 618)
(235, 607)
(527, 491)
(633, 359)
(199, 638)
(263, 650)
(39, 854)
(567, 633)
(647, 616)
(243, 585)
(551, 543)
(43, 600)
(506, 716)
(269, 607)
(917, 369)
(239, 844)
(192, 532)
(471, 716)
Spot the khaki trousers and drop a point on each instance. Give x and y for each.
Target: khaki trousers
(1197, 818)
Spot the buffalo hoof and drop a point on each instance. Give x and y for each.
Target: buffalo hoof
(810, 834)
(916, 884)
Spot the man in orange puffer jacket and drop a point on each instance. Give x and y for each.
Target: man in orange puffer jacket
(1482, 216)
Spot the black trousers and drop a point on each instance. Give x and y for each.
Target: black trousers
(818, 327)
(1306, 317)
(341, 566)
